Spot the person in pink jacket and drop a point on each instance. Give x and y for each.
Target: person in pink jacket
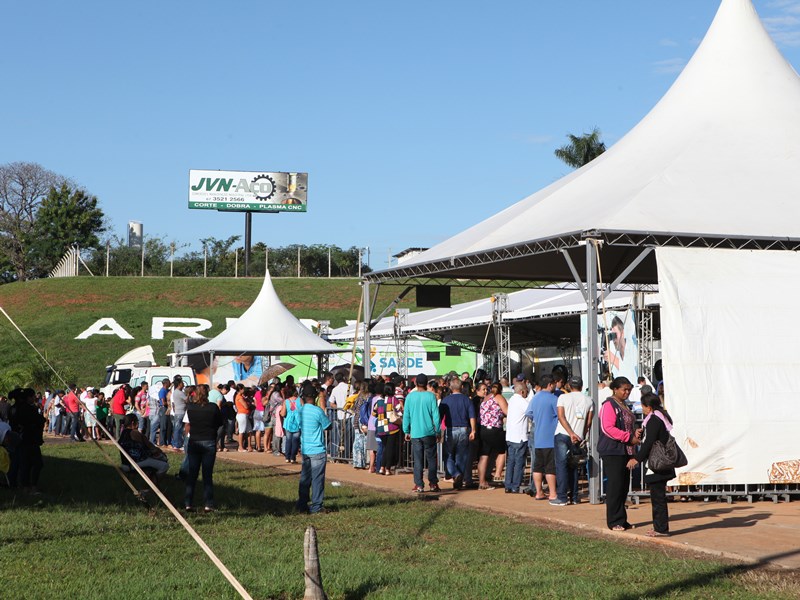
(616, 445)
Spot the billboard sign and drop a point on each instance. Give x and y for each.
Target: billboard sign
(256, 191)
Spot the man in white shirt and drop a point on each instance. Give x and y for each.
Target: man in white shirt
(178, 401)
(339, 432)
(516, 436)
(635, 398)
(574, 418)
(603, 392)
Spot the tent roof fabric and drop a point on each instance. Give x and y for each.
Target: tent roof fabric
(716, 159)
(266, 328)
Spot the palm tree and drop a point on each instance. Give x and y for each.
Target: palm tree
(581, 149)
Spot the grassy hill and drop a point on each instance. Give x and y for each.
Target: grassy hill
(52, 312)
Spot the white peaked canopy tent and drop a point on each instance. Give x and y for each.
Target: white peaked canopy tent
(713, 165)
(266, 328)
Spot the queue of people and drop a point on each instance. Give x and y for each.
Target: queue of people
(481, 428)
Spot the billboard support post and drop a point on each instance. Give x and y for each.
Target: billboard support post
(248, 228)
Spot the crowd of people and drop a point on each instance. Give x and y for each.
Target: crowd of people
(484, 430)
(489, 429)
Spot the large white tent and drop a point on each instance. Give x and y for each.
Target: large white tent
(713, 166)
(266, 328)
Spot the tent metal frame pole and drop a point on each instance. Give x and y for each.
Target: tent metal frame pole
(502, 336)
(574, 272)
(392, 305)
(592, 363)
(401, 341)
(628, 270)
(323, 360)
(321, 367)
(367, 360)
(211, 371)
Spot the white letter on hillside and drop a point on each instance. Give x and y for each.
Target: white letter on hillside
(192, 331)
(105, 326)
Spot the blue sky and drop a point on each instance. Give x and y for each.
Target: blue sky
(414, 120)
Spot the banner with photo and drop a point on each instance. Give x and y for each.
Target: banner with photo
(616, 345)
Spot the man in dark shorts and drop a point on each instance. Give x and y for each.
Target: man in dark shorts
(545, 416)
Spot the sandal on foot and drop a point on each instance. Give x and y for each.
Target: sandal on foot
(653, 533)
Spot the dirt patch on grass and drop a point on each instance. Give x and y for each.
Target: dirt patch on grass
(321, 305)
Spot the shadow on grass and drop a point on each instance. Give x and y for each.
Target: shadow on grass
(685, 586)
(76, 482)
(70, 482)
(362, 591)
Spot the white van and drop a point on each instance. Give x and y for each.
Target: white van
(154, 375)
(137, 366)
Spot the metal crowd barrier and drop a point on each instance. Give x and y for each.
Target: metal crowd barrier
(339, 444)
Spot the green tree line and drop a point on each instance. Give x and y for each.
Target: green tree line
(222, 258)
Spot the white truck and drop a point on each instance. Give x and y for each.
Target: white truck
(137, 366)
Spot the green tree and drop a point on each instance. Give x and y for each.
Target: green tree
(221, 257)
(581, 150)
(13, 378)
(66, 217)
(23, 188)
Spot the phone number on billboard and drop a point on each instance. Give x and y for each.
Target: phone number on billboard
(226, 199)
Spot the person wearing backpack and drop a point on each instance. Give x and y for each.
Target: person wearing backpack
(389, 421)
(362, 411)
(290, 413)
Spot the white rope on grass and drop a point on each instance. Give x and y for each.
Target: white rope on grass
(209, 552)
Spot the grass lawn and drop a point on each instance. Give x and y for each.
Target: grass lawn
(88, 538)
(52, 312)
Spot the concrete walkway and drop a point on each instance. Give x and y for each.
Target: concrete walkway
(762, 532)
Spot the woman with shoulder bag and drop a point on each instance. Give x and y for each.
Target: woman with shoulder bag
(657, 427)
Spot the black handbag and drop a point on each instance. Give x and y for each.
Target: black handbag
(664, 457)
(577, 455)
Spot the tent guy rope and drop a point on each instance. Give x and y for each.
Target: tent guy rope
(200, 542)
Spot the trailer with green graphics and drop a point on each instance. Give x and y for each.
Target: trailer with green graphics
(431, 357)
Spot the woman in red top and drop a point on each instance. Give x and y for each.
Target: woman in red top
(118, 408)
